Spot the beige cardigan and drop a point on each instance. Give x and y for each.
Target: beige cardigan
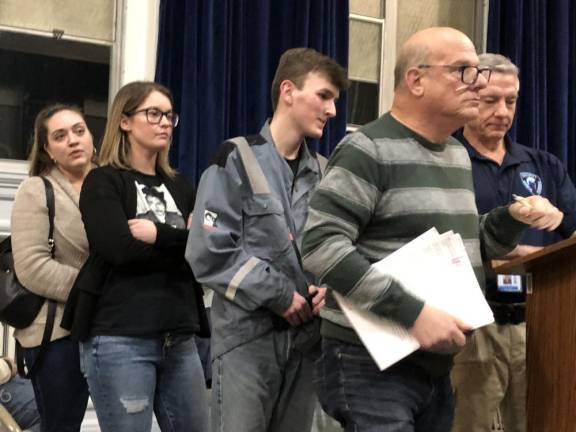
(36, 270)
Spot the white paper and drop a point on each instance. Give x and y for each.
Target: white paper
(434, 267)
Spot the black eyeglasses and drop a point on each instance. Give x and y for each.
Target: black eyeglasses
(154, 115)
(468, 74)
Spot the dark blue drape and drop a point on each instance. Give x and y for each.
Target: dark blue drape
(219, 57)
(540, 37)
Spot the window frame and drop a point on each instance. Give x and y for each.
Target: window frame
(388, 47)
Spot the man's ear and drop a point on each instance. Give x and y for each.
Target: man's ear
(125, 123)
(413, 80)
(286, 94)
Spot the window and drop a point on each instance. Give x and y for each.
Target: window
(57, 51)
(379, 27)
(39, 71)
(365, 60)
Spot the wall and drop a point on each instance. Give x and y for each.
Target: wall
(137, 42)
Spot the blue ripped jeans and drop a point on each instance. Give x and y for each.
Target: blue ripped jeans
(130, 378)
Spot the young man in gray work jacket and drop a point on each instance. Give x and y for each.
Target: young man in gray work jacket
(244, 243)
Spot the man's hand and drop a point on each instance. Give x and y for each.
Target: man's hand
(143, 230)
(537, 212)
(436, 330)
(318, 299)
(299, 312)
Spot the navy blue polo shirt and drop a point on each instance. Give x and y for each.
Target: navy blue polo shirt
(524, 172)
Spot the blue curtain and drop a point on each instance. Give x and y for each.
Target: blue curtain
(219, 57)
(540, 37)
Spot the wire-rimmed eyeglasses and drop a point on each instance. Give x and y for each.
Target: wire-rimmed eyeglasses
(468, 74)
(154, 115)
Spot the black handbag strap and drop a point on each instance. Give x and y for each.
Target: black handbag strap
(51, 212)
(51, 315)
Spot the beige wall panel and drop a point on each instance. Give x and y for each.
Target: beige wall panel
(371, 8)
(91, 19)
(414, 15)
(364, 51)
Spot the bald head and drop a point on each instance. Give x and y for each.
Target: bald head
(437, 82)
(427, 47)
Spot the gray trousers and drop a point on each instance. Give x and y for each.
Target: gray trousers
(263, 386)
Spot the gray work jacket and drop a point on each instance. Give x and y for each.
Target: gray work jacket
(240, 238)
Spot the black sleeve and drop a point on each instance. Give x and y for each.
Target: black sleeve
(106, 222)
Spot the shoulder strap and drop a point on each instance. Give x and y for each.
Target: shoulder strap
(51, 313)
(51, 212)
(322, 163)
(258, 181)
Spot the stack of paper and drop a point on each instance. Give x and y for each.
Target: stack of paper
(435, 268)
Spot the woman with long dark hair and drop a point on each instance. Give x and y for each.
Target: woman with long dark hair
(62, 152)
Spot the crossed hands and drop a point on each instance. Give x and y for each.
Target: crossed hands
(143, 230)
(300, 311)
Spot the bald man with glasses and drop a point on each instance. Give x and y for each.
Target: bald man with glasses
(386, 184)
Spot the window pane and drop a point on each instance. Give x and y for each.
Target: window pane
(371, 8)
(55, 79)
(10, 124)
(364, 51)
(93, 19)
(362, 102)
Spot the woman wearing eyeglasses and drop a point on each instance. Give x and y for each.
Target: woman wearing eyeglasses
(140, 355)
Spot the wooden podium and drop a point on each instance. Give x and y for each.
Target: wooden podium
(551, 335)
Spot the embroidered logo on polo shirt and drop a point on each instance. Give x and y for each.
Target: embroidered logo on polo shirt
(532, 182)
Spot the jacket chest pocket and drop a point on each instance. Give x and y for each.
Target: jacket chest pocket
(265, 232)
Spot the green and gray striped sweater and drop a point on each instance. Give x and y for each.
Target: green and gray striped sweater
(385, 185)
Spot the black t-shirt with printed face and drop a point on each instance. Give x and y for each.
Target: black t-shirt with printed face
(155, 203)
(150, 288)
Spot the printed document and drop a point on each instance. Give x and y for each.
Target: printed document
(434, 267)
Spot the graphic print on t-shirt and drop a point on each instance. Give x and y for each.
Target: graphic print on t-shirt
(157, 205)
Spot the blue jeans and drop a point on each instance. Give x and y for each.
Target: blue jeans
(131, 377)
(203, 346)
(402, 398)
(264, 385)
(60, 389)
(17, 396)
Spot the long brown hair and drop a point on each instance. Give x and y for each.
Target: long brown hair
(40, 161)
(115, 150)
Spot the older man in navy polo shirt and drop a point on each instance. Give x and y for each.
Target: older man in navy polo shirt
(489, 374)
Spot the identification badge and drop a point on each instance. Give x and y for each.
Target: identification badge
(510, 283)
